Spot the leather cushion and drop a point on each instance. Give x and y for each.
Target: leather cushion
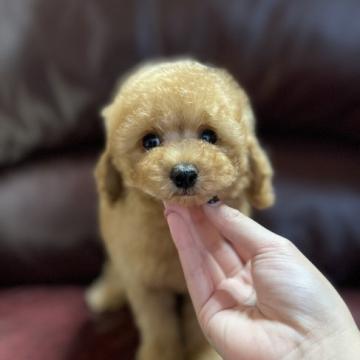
(60, 61)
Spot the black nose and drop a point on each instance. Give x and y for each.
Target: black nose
(184, 175)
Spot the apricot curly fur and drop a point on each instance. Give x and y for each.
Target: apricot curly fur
(175, 100)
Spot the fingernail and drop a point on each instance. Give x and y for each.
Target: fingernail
(214, 201)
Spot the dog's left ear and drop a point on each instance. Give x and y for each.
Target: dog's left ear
(260, 191)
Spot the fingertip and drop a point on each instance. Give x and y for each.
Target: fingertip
(225, 216)
(174, 208)
(169, 205)
(221, 210)
(214, 201)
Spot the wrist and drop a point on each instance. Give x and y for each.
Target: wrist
(342, 345)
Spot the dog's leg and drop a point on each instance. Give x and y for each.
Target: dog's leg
(157, 321)
(197, 348)
(106, 292)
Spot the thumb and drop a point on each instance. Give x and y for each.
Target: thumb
(247, 236)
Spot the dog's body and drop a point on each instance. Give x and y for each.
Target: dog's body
(153, 127)
(142, 247)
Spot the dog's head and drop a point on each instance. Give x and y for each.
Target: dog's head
(184, 132)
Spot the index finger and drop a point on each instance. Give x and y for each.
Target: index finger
(196, 270)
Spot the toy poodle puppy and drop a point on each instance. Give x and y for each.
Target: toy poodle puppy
(181, 132)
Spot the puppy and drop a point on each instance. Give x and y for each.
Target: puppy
(182, 132)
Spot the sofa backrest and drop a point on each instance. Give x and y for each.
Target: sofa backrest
(59, 61)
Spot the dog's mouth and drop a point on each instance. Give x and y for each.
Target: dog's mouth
(187, 192)
(188, 196)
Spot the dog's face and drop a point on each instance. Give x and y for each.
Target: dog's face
(182, 132)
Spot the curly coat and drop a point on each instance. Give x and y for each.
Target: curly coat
(175, 100)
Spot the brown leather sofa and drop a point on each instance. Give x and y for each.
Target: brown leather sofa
(59, 61)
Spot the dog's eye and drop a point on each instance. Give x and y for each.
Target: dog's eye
(209, 136)
(150, 141)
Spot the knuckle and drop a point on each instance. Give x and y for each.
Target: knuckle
(284, 245)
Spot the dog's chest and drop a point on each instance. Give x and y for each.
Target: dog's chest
(161, 266)
(141, 245)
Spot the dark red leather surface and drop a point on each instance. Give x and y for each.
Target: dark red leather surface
(299, 61)
(48, 226)
(59, 61)
(54, 324)
(318, 201)
(48, 223)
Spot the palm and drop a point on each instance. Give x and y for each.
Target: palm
(256, 296)
(231, 310)
(233, 314)
(228, 294)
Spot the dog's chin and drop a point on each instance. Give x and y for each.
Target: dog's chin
(186, 198)
(189, 200)
(192, 198)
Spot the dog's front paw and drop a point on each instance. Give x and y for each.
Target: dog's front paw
(157, 351)
(100, 298)
(207, 353)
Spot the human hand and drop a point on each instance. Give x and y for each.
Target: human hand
(255, 294)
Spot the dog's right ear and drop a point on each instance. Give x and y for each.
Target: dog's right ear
(106, 115)
(108, 178)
